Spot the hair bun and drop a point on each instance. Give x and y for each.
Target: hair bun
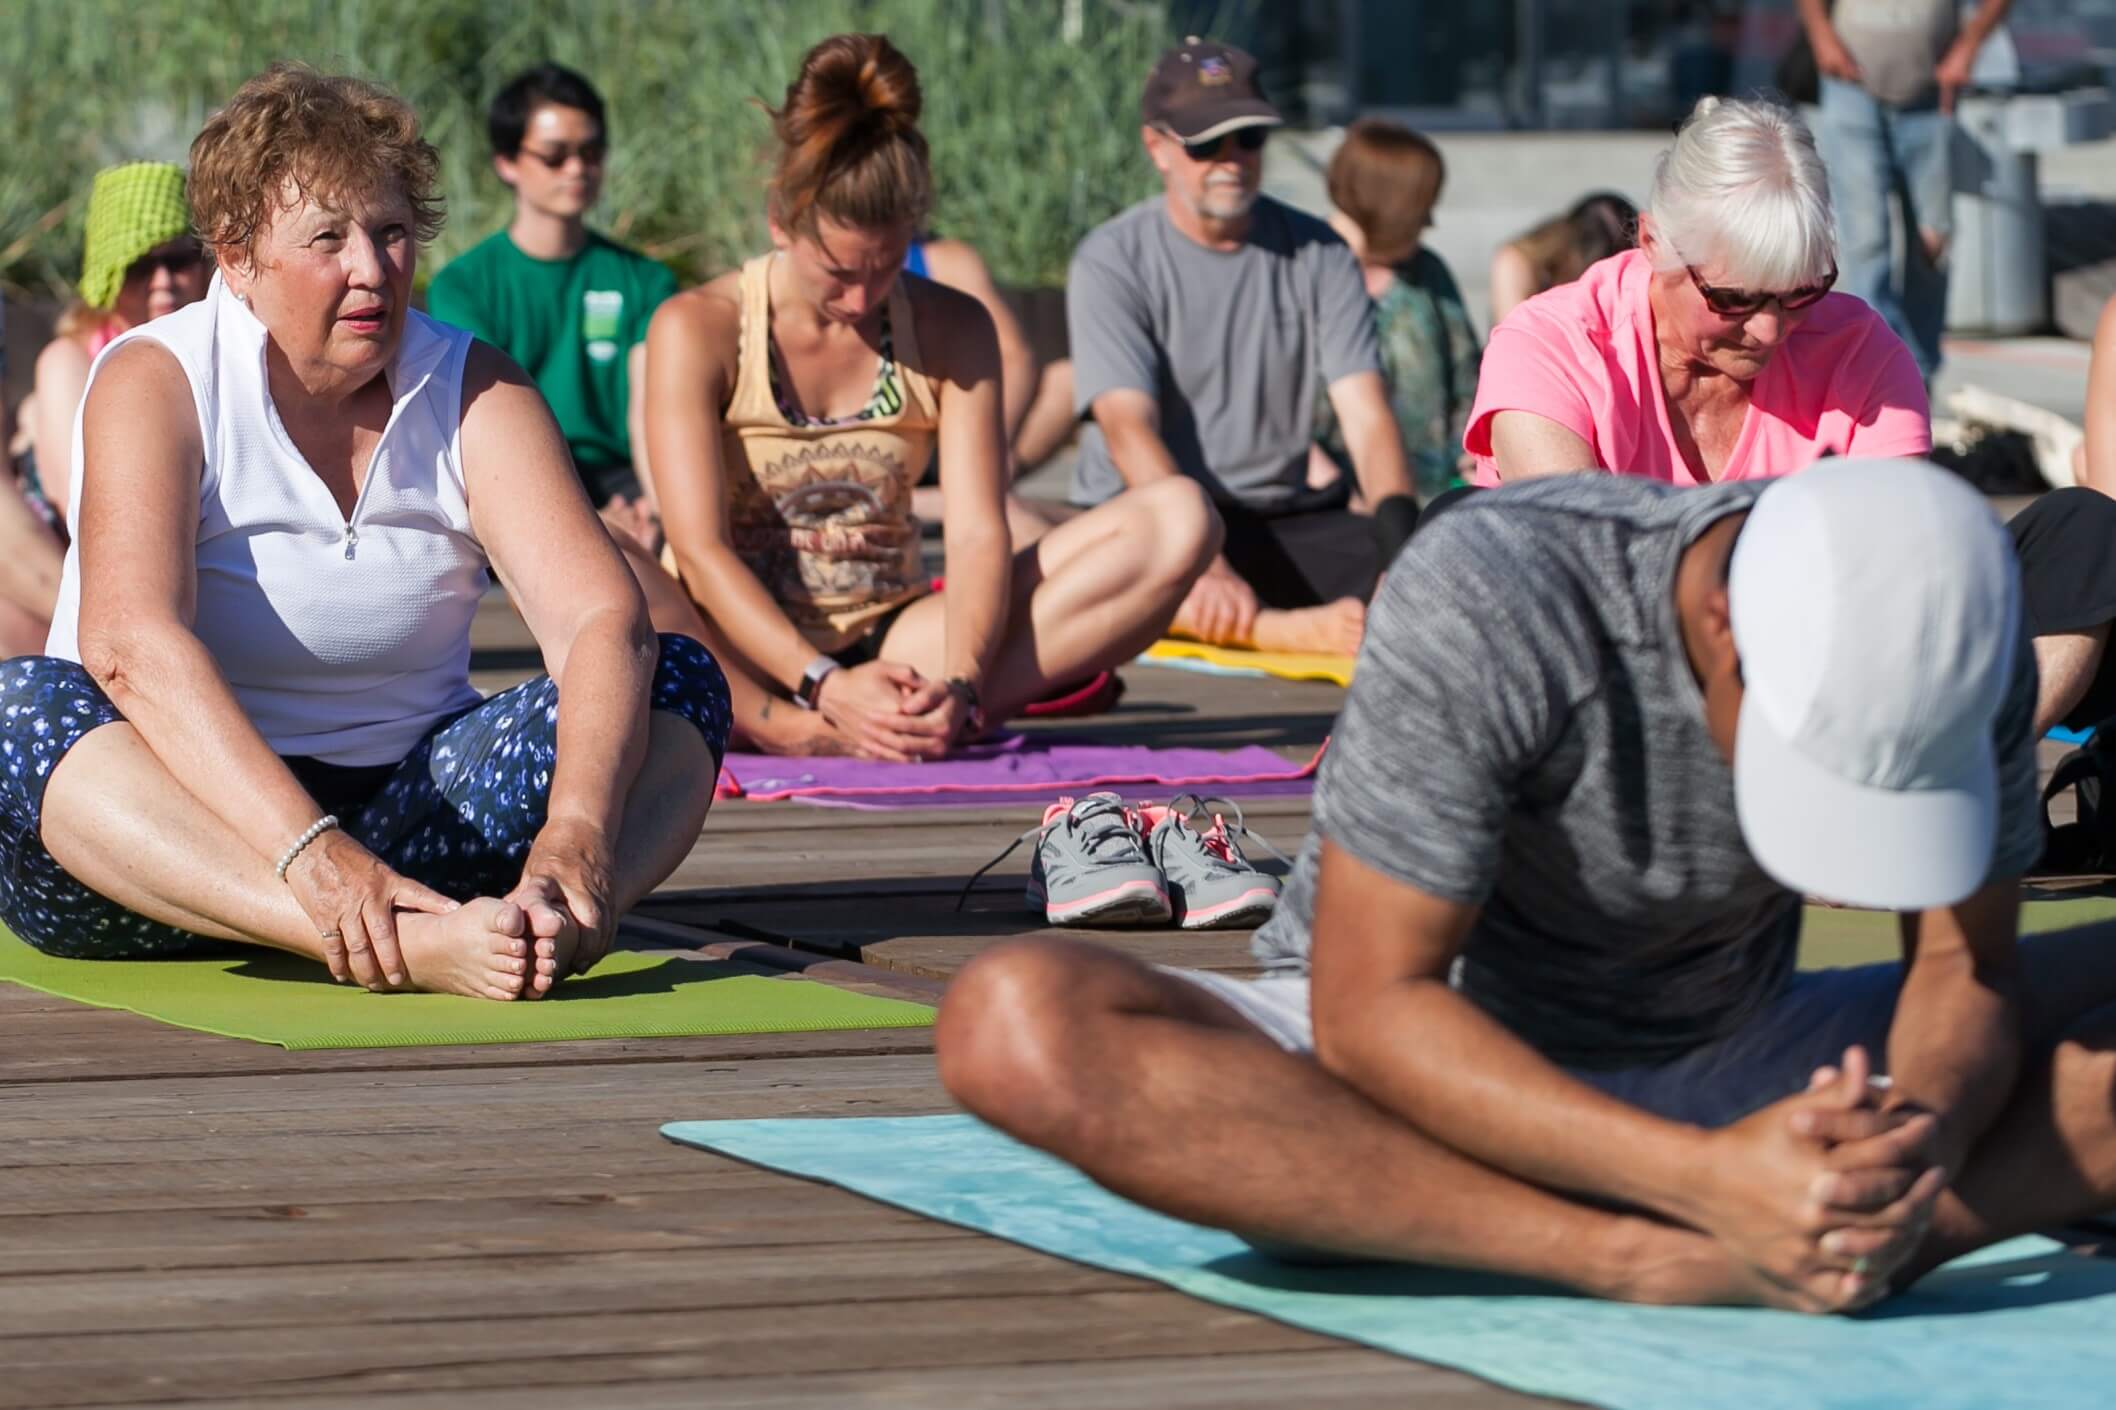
(855, 101)
(851, 88)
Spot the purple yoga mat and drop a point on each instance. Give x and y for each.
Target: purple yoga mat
(1015, 768)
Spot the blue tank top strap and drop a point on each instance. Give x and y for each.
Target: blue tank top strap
(915, 259)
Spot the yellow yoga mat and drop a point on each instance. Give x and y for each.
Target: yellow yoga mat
(1235, 661)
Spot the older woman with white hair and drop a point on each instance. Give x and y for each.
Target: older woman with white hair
(1713, 351)
(256, 722)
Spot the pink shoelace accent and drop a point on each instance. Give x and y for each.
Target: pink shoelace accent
(1217, 842)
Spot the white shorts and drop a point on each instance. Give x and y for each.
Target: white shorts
(1809, 1025)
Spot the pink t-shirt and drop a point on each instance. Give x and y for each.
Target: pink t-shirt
(1583, 355)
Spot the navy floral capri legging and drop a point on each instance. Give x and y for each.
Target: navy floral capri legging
(458, 814)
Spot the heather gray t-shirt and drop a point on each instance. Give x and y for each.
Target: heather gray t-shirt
(1524, 734)
(1235, 346)
(1898, 44)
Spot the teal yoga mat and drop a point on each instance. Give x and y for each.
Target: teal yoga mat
(2024, 1323)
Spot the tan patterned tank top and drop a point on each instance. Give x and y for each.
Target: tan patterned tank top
(821, 511)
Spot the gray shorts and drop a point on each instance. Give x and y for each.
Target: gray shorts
(1821, 1013)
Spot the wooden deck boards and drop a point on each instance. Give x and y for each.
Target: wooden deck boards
(187, 1219)
(518, 1226)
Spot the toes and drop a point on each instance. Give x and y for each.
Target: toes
(511, 919)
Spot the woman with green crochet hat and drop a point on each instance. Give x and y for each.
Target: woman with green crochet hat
(139, 262)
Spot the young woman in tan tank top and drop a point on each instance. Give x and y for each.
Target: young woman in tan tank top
(790, 407)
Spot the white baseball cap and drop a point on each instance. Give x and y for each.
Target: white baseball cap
(1876, 610)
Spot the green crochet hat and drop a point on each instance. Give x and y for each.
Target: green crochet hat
(131, 209)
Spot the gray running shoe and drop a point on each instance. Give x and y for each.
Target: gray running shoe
(1210, 883)
(1091, 865)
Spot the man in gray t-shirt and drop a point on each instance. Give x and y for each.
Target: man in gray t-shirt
(1206, 325)
(1890, 70)
(1531, 1004)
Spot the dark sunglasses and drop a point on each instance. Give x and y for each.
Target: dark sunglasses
(1741, 303)
(590, 154)
(1249, 139)
(181, 260)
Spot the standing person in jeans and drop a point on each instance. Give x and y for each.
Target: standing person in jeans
(568, 304)
(1890, 70)
(1204, 323)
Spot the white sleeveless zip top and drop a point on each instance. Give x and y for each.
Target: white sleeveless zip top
(345, 640)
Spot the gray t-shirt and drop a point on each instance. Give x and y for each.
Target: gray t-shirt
(1235, 346)
(1898, 44)
(1525, 735)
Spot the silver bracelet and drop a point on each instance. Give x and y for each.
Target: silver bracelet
(316, 829)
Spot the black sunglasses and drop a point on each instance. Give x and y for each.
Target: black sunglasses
(181, 260)
(1741, 303)
(1249, 139)
(590, 154)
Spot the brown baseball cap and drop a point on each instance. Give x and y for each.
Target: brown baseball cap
(1201, 89)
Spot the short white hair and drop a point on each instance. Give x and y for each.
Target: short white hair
(1743, 190)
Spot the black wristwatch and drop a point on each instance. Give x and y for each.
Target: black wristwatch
(811, 682)
(965, 690)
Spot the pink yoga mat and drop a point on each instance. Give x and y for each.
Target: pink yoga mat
(1014, 768)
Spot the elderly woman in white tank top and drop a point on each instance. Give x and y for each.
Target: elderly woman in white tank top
(255, 722)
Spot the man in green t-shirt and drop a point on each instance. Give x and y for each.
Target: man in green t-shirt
(567, 304)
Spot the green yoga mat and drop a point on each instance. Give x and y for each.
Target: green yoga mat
(268, 997)
(2021, 1324)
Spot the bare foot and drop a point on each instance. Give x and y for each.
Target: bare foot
(1334, 629)
(1681, 1267)
(480, 951)
(556, 936)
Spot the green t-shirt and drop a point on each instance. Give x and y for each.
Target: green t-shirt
(570, 323)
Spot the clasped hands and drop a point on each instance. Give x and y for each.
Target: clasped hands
(1829, 1193)
(887, 710)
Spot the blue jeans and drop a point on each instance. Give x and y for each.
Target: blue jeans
(1875, 151)
(457, 814)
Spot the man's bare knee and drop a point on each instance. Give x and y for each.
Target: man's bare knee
(1019, 1026)
(1001, 1029)
(1178, 519)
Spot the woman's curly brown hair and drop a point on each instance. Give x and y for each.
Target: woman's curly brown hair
(329, 136)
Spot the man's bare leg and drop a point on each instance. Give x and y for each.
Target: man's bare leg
(1333, 629)
(2066, 662)
(1163, 1094)
(2051, 1157)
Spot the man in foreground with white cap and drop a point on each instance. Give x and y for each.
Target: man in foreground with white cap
(1206, 323)
(1530, 1002)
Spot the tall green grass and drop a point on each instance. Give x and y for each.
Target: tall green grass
(1034, 135)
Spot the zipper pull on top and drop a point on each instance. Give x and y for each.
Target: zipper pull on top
(352, 541)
